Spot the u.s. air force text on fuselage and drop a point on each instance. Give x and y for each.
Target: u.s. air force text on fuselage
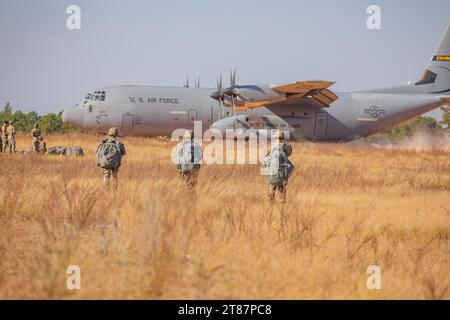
(154, 100)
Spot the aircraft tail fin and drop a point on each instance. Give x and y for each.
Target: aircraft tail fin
(437, 73)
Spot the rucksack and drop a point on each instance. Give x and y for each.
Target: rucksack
(109, 155)
(279, 167)
(189, 156)
(56, 151)
(74, 151)
(287, 149)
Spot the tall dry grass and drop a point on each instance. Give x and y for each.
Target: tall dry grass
(347, 208)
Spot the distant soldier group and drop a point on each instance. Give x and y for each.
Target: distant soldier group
(8, 137)
(188, 158)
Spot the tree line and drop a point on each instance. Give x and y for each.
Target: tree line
(421, 123)
(24, 122)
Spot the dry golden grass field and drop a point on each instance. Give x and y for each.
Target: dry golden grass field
(348, 208)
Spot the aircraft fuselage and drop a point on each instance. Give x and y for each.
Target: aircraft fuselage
(155, 111)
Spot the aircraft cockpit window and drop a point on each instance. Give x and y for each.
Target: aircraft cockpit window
(102, 95)
(96, 96)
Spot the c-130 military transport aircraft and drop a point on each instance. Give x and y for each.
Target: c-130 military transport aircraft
(303, 110)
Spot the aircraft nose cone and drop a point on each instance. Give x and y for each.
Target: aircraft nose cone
(73, 116)
(64, 116)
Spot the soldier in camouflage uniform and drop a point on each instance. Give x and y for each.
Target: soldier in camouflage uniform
(42, 145)
(287, 150)
(113, 173)
(4, 136)
(11, 137)
(35, 134)
(189, 176)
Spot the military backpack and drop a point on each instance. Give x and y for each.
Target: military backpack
(189, 157)
(279, 167)
(109, 154)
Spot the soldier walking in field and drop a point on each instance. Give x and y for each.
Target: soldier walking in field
(278, 167)
(109, 158)
(188, 157)
(35, 134)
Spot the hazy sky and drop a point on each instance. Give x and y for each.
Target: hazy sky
(45, 67)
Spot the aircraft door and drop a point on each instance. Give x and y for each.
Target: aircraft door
(298, 125)
(192, 116)
(127, 123)
(320, 129)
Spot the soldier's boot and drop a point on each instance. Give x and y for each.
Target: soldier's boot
(106, 179)
(271, 194)
(115, 179)
(106, 182)
(115, 183)
(188, 181)
(282, 190)
(193, 180)
(186, 178)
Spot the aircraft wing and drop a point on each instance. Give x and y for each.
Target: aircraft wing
(294, 92)
(303, 87)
